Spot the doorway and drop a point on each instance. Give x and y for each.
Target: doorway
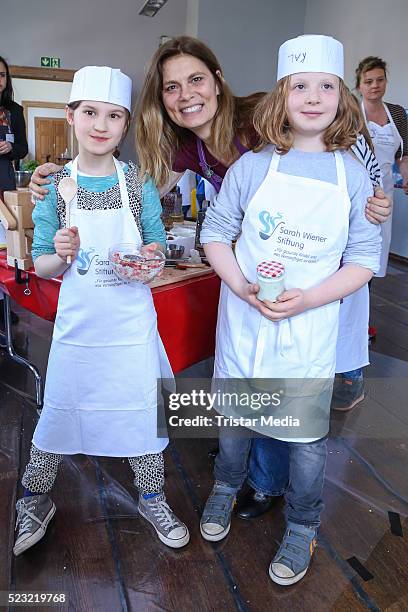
(51, 139)
(43, 93)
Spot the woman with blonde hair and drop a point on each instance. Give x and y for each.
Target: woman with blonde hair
(188, 118)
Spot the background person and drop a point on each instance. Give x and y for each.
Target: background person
(13, 139)
(13, 143)
(388, 127)
(387, 124)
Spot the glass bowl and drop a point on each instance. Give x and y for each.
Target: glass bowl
(130, 265)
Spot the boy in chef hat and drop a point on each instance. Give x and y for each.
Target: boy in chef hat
(106, 355)
(303, 172)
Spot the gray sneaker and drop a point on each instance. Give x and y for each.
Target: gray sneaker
(169, 528)
(292, 560)
(216, 519)
(33, 515)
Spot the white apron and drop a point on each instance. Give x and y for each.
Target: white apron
(106, 354)
(387, 140)
(352, 339)
(310, 230)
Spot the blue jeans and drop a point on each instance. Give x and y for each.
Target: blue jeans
(267, 452)
(353, 374)
(306, 466)
(268, 466)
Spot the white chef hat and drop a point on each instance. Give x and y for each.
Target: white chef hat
(101, 84)
(311, 53)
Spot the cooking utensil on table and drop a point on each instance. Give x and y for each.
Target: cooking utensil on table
(174, 251)
(67, 189)
(23, 178)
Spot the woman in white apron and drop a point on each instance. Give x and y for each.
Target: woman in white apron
(307, 189)
(387, 137)
(388, 128)
(101, 395)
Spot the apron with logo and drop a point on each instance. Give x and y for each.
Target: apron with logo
(387, 140)
(302, 223)
(101, 394)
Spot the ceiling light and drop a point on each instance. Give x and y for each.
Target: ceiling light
(150, 7)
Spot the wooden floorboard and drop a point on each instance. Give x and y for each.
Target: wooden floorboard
(155, 576)
(107, 558)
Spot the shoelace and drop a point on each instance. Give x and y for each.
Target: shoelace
(163, 513)
(25, 517)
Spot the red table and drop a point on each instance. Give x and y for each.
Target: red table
(186, 312)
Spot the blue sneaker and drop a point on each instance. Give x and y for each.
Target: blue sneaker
(292, 560)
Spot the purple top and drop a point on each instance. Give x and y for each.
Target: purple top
(207, 171)
(188, 158)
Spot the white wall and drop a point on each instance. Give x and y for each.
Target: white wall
(91, 32)
(246, 35)
(367, 27)
(192, 10)
(40, 91)
(95, 32)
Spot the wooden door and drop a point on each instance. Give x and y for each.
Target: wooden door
(51, 138)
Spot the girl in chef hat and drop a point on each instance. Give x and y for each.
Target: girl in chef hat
(296, 204)
(106, 354)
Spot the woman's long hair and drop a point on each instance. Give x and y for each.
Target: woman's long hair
(272, 124)
(6, 97)
(158, 138)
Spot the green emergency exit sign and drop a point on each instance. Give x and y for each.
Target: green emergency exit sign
(50, 62)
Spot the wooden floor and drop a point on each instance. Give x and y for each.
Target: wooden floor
(105, 558)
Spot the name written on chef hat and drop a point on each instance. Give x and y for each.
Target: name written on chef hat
(311, 53)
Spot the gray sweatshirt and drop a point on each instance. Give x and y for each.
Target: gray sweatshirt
(224, 218)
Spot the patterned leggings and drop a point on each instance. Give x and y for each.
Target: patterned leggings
(42, 469)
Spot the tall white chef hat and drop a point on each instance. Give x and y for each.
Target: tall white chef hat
(311, 53)
(102, 84)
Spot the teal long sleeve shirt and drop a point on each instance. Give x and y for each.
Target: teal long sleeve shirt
(46, 219)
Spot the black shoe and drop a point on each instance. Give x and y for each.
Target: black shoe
(253, 504)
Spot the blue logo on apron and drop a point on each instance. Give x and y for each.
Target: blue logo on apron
(268, 224)
(84, 260)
